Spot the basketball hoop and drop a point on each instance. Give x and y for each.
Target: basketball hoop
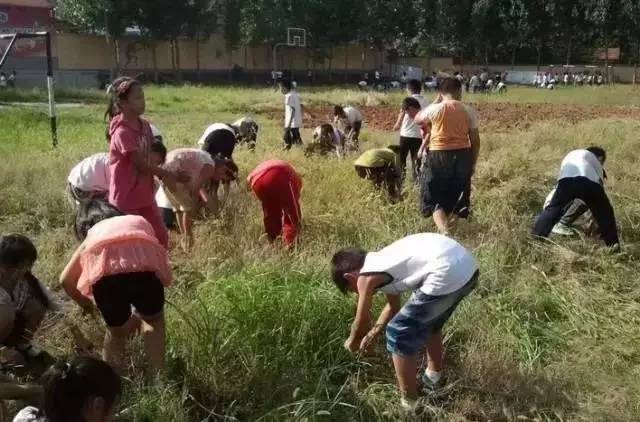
(296, 37)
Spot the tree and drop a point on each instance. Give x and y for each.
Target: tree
(486, 26)
(110, 17)
(198, 24)
(514, 18)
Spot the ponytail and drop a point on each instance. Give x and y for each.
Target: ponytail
(116, 91)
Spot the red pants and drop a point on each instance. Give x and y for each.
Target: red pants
(279, 191)
(153, 215)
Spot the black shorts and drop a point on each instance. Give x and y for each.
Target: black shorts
(115, 296)
(220, 142)
(292, 137)
(446, 182)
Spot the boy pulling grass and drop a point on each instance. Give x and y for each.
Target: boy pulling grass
(438, 270)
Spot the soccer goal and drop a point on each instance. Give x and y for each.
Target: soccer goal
(50, 82)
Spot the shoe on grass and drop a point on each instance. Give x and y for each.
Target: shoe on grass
(563, 230)
(408, 405)
(429, 386)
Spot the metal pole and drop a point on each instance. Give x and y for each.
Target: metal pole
(51, 91)
(9, 47)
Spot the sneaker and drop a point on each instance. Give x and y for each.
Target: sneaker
(408, 405)
(429, 386)
(563, 230)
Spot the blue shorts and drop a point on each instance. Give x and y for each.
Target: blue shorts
(421, 317)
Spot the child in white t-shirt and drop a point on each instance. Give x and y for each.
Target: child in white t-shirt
(292, 115)
(350, 119)
(439, 271)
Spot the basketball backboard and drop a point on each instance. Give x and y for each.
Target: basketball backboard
(296, 37)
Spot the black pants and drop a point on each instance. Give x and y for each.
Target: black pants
(592, 194)
(410, 146)
(291, 137)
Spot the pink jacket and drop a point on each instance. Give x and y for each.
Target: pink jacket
(122, 245)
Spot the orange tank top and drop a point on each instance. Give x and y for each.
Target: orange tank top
(122, 245)
(450, 125)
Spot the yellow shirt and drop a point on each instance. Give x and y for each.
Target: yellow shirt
(451, 122)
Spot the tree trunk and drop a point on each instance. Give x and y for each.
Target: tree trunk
(513, 55)
(198, 72)
(539, 59)
(364, 56)
(178, 64)
(346, 62)
(230, 54)
(606, 53)
(154, 59)
(569, 48)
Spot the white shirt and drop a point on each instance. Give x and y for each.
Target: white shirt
(581, 163)
(429, 262)
(214, 127)
(292, 101)
(409, 128)
(161, 198)
(353, 115)
(91, 174)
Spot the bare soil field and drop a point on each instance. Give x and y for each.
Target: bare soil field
(494, 116)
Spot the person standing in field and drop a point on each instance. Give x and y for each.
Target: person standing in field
(380, 166)
(134, 156)
(292, 115)
(350, 118)
(278, 186)
(439, 271)
(410, 132)
(453, 144)
(581, 177)
(120, 266)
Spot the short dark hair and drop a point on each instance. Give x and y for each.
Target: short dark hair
(91, 213)
(449, 85)
(598, 152)
(16, 251)
(394, 148)
(69, 386)
(410, 102)
(338, 110)
(345, 261)
(414, 86)
(158, 147)
(286, 84)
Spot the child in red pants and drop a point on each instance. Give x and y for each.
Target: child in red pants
(278, 186)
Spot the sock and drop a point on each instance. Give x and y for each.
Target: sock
(407, 404)
(433, 376)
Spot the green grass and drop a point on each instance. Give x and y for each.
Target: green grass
(254, 333)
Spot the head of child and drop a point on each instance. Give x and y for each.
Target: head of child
(85, 390)
(599, 152)
(414, 87)
(326, 133)
(411, 106)
(345, 268)
(450, 89)
(91, 213)
(158, 153)
(338, 112)
(225, 170)
(286, 86)
(17, 256)
(126, 97)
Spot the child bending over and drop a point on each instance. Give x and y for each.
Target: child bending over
(278, 186)
(351, 120)
(122, 268)
(439, 271)
(187, 198)
(326, 138)
(90, 178)
(380, 165)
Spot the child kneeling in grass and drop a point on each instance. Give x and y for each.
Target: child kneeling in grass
(121, 265)
(380, 165)
(278, 186)
(438, 270)
(187, 198)
(326, 139)
(24, 301)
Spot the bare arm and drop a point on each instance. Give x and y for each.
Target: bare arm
(390, 310)
(366, 288)
(69, 279)
(398, 123)
(474, 137)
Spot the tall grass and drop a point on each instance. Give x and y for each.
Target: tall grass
(255, 333)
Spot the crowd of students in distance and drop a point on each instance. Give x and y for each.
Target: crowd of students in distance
(120, 268)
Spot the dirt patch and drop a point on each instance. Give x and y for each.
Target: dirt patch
(494, 116)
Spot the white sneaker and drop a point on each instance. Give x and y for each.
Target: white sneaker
(408, 405)
(563, 230)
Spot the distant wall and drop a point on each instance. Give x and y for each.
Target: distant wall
(621, 74)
